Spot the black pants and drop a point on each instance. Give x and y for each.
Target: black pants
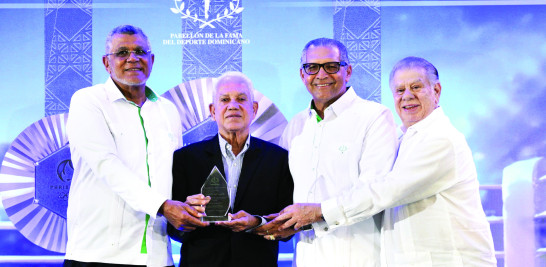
(71, 263)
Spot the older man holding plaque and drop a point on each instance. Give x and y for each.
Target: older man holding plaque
(257, 182)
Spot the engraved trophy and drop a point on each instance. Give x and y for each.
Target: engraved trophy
(216, 187)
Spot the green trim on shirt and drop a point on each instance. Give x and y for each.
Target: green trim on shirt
(143, 248)
(150, 94)
(319, 119)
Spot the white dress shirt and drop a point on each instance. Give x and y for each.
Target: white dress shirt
(122, 158)
(433, 215)
(232, 166)
(354, 142)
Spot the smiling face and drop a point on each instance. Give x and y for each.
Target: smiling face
(324, 87)
(131, 71)
(414, 95)
(233, 109)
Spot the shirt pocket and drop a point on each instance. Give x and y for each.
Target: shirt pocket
(341, 161)
(173, 139)
(115, 221)
(121, 137)
(161, 137)
(118, 133)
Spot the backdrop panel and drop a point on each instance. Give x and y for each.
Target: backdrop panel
(68, 51)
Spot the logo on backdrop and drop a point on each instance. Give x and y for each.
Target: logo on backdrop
(208, 23)
(211, 13)
(65, 170)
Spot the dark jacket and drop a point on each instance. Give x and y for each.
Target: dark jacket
(265, 186)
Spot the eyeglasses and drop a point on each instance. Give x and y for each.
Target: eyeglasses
(124, 54)
(329, 67)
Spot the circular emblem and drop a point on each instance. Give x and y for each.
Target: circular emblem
(35, 180)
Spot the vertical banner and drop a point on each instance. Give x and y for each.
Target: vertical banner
(357, 24)
(211, 37)
(68, 51)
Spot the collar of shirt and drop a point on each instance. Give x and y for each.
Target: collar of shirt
(115, 94)
(314, 111)
(225, 147)
(337, 107)
(424, 123)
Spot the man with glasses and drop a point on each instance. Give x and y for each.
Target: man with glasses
(122, 137)
(339, 140)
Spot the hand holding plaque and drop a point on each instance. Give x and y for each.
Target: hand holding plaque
(216, 187)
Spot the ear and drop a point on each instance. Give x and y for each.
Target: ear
(255, 108)
(212, 112)
(106, 63)
(349, 72)
(302, 75)
(437, 91)
(153, 58)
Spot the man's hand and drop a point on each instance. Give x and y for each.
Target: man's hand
(240, 221)
(181, 215)
(271, 231)
(198, 202)
(298, 215)
(269, 228)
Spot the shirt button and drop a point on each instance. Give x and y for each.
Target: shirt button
(325, 229)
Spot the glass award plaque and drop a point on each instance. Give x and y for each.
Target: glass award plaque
(216, 187)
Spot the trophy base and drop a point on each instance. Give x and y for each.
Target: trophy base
(215, 219)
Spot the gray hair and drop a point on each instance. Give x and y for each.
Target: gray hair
(125, 29)
(326, 42)
(233, 76)
(416, 62)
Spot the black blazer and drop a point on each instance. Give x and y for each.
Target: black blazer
(265, 187)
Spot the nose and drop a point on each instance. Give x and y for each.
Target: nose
(233, 104)
(132, 57)
(407, 95)
(321, 73)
